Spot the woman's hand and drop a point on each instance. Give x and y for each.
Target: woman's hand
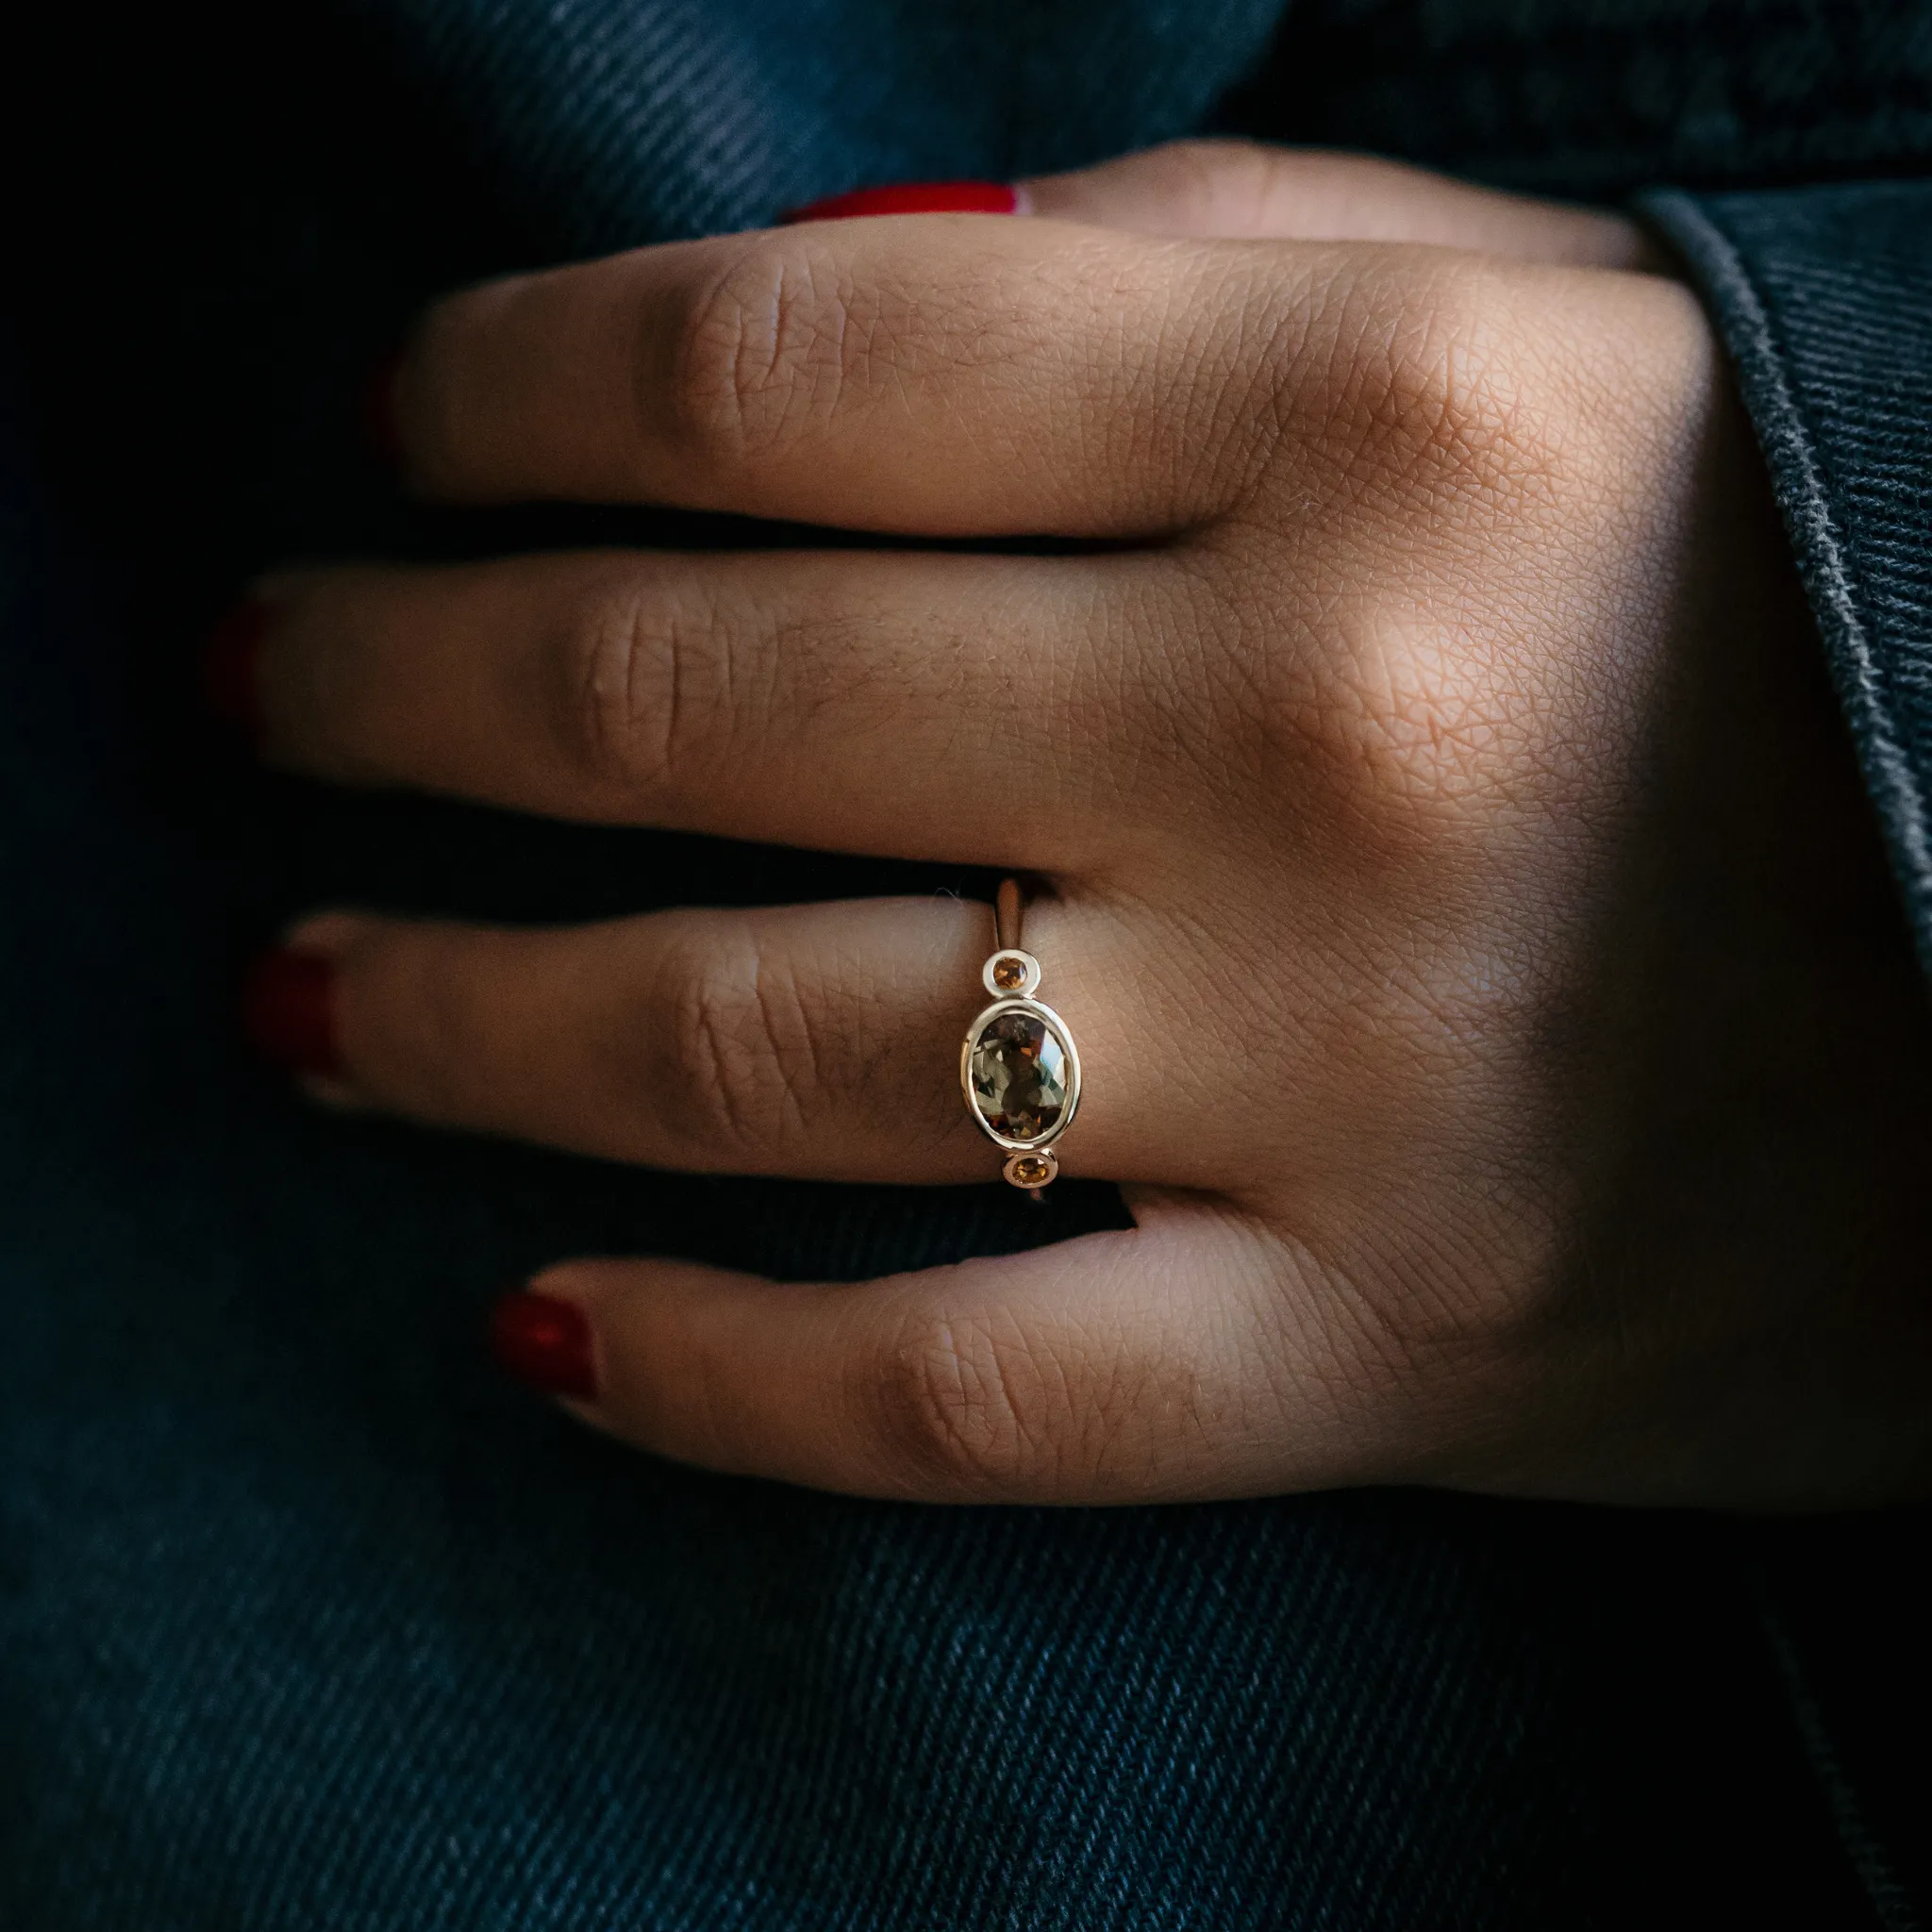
(1487, 990)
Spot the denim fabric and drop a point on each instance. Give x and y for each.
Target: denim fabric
(1825, 296)
(1598, 97)
(611, 124)
(307, 1618)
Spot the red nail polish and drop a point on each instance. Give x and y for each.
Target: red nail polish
(229, 664)
(911, 198)
(288, 1011)
(545, 1343)
(381, 429)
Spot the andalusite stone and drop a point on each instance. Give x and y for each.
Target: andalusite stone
(1019, 1073)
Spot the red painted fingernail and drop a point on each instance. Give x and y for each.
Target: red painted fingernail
(229, 664)
(288, 1011)
(545, 1343)
(381, 428)
(911, 198)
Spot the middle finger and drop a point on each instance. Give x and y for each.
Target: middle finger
(970, 709)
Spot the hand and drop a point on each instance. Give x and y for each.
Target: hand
(1490, 994)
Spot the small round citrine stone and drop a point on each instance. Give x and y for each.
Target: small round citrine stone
(1008, 974)
(1030, 1171)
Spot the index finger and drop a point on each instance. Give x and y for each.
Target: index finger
(1250, 189)
(935, 375)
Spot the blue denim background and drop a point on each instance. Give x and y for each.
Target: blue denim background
(307, 1618)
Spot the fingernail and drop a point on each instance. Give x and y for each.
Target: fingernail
(228, 665)
(545, 1343)
(288, 1011)
(381, 428)
(911, 198)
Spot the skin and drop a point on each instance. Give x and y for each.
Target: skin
(1453, 873)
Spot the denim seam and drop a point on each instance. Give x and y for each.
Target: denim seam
(1876, 1875)
(1797, 477)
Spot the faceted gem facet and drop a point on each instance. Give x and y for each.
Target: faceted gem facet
(1017, 1070)
(1033, 1170)
(1009, 973)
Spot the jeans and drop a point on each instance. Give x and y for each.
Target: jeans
(306, 1617)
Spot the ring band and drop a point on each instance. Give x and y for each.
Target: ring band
(1019, 1067)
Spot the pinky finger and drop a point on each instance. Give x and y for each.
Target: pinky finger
(1156, 1365)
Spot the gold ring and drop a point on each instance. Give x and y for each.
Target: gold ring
(1019, 1067)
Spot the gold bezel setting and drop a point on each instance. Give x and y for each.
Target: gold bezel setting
(1012, 976)
(1034, 1009)
(1033, 1169)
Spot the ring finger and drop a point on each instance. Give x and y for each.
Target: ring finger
(820, 1041)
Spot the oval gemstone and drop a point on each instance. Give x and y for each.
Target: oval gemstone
(1017, 1070)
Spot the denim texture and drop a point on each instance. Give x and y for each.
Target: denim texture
(1598, 97)
(609, 122)
(1824, 295)
(306, 1617)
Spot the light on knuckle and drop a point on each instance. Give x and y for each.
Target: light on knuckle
(1428, 727)
(759, 351)
(1433, 708)
(1459, 419)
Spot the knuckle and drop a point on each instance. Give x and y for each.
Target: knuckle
(1410, 728)
(1438, 403)
(738, 1053)
(1427, 730)
(1428, 708)
(1461, 418)
(646, 689)
(967, 1406)
(759, 352)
